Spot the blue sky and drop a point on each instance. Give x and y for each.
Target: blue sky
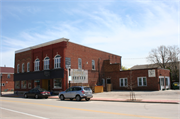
(129, 28)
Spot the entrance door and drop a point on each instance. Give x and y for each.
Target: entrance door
(167, 82)
(161, 79)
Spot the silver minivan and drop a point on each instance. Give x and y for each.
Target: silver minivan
(77, 92)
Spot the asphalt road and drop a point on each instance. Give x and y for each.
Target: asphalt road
(21, 108)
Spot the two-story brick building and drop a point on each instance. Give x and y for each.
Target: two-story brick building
(50, 65)
(47, 65)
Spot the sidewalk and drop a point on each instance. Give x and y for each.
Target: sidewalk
(169, 96)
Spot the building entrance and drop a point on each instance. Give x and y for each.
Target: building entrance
(46, 84)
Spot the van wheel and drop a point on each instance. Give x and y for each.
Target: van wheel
(87, 99)
(78, 98)
(25, 95)
(71, 99)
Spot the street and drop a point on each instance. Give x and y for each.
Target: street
(21, 108)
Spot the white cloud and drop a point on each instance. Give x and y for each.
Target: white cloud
(127, 35)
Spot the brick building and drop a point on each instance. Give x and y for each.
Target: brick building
(53, 64)
(47, 65)
(7, 78)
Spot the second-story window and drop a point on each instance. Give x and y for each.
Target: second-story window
(36, 65)
(93, 65)
(46, 63)
(79, 63)
(18, 68)
(28, 67)
(8, 76)
(57, 61)
(23, 68)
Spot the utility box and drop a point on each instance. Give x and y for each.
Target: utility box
(98, 89)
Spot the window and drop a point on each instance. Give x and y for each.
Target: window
(167, 82)
(93, 64)
(17, 84)
(58, 83)
(29, 84)
(8, 76)
(79, 63)
(57, 61)
(28, 67)
(36, 83)
(3, 84)
(123, 82)
(108, 81)
(23, 85)
(142, 81)
(23, 68)
(46, 63)
(36, 65)
(18, 68)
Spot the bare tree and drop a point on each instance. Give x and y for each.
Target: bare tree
(131, 84)
(165, 57)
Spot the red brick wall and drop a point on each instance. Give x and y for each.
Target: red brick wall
(9, 83)
(23, 57)
(152, 82)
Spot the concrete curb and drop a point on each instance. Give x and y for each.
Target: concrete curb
(110, 100)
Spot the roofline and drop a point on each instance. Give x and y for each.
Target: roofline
(96, 49)
(42, 45)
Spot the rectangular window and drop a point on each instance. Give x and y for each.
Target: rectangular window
(167, 82)
(79, 63)
(29, 84)
(36, 83)
(17, 84)
(8, 76)
(142, 81)
(28, 67)
(123, 82)
(46, 64)
(58, 83)
(93, 65)
(23, 84)
(108, 81)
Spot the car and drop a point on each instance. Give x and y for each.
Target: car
(176, 85)
(37, 93)
(76, 92)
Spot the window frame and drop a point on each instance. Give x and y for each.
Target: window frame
(56, 87)
(25, 85)
(79, 63)
(124, 82)
(57, 62)
(18, 68)
(8, 76)
(46, 63)
(28, 67)
(93, 64)
(142, 81)
(22, 67)
(36, 64)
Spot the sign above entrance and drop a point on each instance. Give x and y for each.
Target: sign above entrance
(79, 76)
(152, 73)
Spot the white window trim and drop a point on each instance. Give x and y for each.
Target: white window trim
(80, 64)
(22, 67)
(46, 67)
(94, 65)
(28, 67)
(123, 82)
(57, 65)
(141, 81)
(36, 68)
